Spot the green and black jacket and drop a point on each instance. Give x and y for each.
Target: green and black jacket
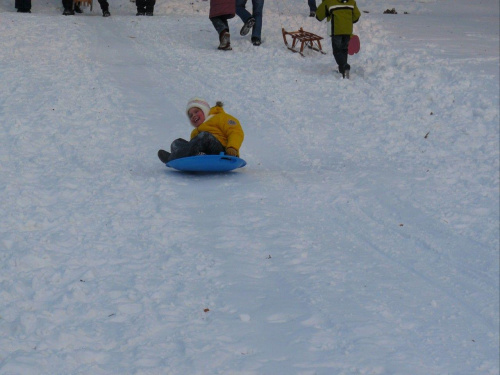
(342, 14)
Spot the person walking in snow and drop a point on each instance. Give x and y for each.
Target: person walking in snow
(215, 131)
(251, 21)
(341, 14)
(220, 12)
(145, 7)
(68, 8)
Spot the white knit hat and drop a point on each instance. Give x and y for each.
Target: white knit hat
(198, 103)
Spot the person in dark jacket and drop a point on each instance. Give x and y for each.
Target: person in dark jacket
(68, 8)
(23, 6)
(341, 14)
(220, 12)
(145, 7)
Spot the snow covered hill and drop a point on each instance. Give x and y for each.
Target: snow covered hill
(361, 238)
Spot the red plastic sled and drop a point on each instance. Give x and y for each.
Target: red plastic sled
(354, 45)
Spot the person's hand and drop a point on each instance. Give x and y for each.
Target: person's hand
(231, 151)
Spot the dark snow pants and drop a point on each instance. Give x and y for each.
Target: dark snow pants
(145, 5)
(23, 5)
(340, 45)
(203, 143)
(312, 5)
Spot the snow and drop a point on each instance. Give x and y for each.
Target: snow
(361, 238)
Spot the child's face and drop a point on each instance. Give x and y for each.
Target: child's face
(196, 116)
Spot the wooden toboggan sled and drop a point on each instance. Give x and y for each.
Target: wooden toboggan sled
(305, 38)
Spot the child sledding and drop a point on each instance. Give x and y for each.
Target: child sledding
(215, 132)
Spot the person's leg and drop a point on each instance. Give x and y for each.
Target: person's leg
(77, 9)
(340, 46)
(220, 24)
(67, 4)
(23, 6)
(339, 56)
(345, 49)
(205, 143)
(68, 7)
(104, 7)
(312, 5)
(104, 4)
(141, 7)
(257, 9)
(241, 10)
(222, 27)
(179, 149)
(150, 6)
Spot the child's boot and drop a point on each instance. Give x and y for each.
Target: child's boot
(163, 156)
(347, 70)
(344, 70)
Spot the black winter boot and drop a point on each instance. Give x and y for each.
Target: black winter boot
(163, 156)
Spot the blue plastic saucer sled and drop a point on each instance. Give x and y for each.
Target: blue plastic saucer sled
(207, 163)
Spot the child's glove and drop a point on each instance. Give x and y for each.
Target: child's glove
(231, 151)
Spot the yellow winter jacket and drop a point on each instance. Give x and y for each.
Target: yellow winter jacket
(224, 127)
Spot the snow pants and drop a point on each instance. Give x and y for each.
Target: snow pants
(23, 6)
(340, 45)
(145, 5)
(312, 5)
(203, 143)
